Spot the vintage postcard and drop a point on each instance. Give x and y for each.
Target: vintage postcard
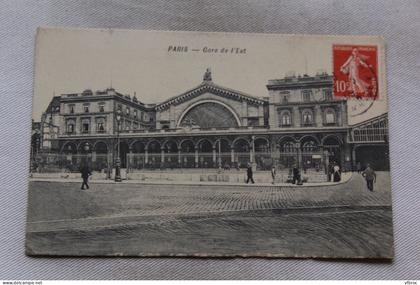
(148, 143)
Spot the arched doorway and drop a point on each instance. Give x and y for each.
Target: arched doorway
(242, 152)
(262, 154)
(101, 156)
(223, 153)
(205, 154)
(85, 154)
(138, 155)
(333, 147)
(287, 153)
(171, 154)
(376, 155)
(154, 155)
(69, 150)
(311, 155)
(187, 154)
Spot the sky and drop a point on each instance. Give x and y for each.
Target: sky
(72, 60)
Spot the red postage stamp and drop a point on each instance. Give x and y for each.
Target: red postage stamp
(355, 71)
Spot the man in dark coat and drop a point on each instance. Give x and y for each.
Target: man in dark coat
(273, 174)
(330, 171)
(370, 176)
(296, 175)
(249, 174)
(85, 171)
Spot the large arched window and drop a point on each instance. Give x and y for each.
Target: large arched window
(309, 146)
(306, 95)
(330, 117)
(287, 146)
(307, 117)
(208, 114)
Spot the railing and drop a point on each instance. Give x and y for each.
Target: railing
(137, 161)
(225, 160)
(51, 162)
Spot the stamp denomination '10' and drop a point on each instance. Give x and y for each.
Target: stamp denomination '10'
(355, 71)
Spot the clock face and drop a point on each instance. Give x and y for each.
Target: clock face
(359, 106)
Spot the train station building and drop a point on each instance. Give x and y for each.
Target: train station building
(299, 122)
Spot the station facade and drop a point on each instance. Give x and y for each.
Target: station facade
(209, 126)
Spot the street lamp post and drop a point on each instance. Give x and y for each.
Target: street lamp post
(298, 164)
(86, 148)
(253, 150)
(297, 145)
(117, 160)
(220, 154)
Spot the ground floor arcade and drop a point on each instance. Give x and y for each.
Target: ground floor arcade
(309, 151)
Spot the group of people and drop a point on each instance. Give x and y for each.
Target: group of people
(296, 175)
(250, 178)
(334, 174)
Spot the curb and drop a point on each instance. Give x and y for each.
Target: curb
(140, 182)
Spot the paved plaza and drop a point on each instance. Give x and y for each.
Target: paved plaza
(343, 220)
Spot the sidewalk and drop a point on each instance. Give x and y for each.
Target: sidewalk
(345, 177)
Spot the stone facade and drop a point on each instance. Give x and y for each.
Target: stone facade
(299, 123)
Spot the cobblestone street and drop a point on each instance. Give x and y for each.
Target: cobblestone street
(342, 220)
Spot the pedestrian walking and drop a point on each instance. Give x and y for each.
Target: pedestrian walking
(330, 171)
(249, 174)
(296, 175)
(337, 173)
(85, 171)
(370, 177)
(273, 174)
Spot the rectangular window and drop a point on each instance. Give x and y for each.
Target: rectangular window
(86, 109)
(101, 108)
(101, 127)
(71, 109)
(253, 122)
(119, 107)
(135, 114)
(127, 111)
(85, 127)
(327, 94)
(284, 96)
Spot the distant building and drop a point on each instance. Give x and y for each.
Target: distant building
(50, 124)
(299, 123)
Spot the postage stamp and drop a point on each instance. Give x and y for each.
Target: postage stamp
(355, 71)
